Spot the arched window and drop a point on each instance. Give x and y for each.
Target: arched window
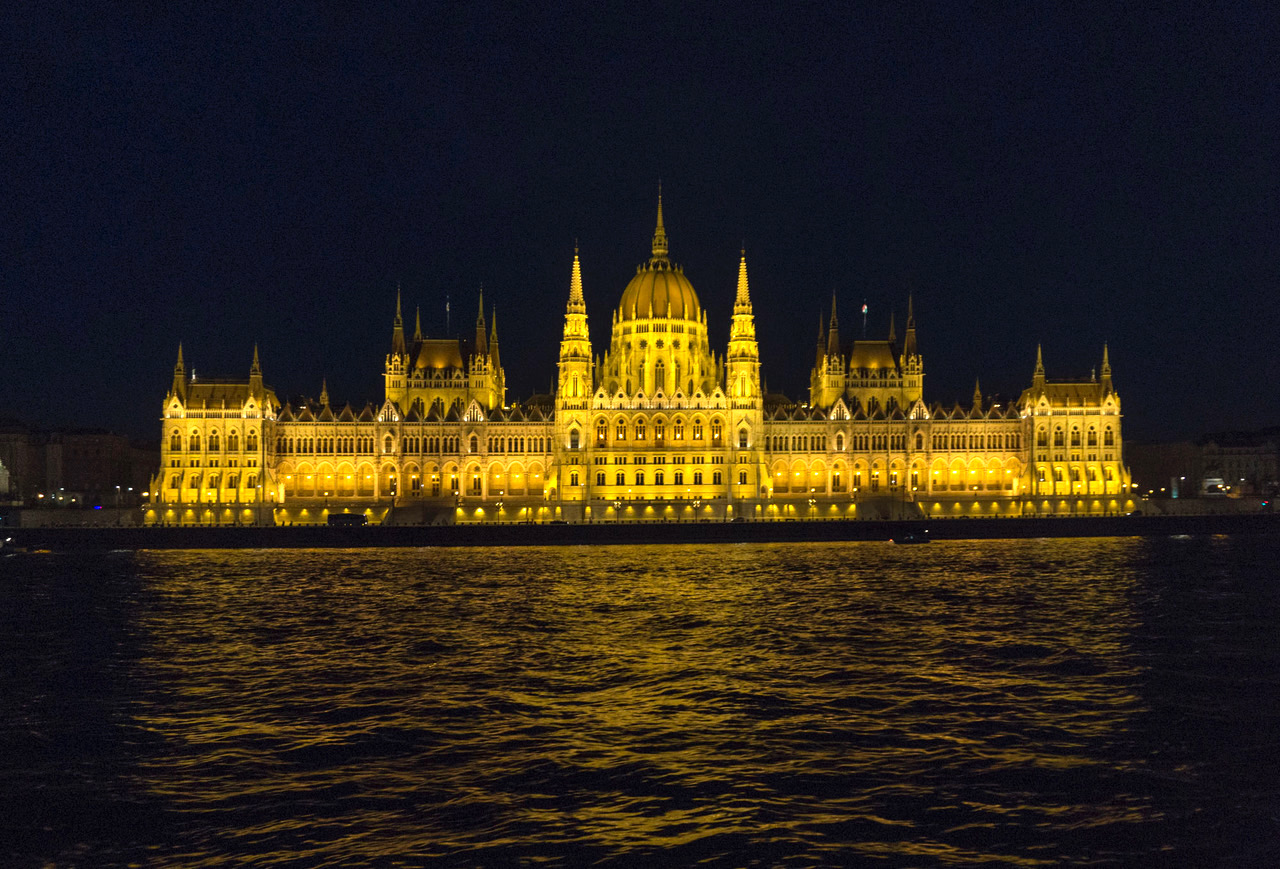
(195, 441)
(233, 442)
(175, 444)
(658, 478)
(387, 443)
(1093, 437)
(1057, 437)
(251, 441)
(717, 477)
(1042, 438)
(620, 479)
(475, 444)
(599, 478)
(1108, 438)
(659, 376)
(573, 439)
(679, 478)
(742, 439)
(215, 443)
(621, 433)
(640, 430)
(639, 478)
(839, 441)
(1075, 437)
(601, 429)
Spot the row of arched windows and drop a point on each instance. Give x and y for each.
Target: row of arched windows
(660, 478)
(215, 442)
(1060, 437)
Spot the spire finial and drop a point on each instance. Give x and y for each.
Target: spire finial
(255, 368)
(1039, 372)
(977, 395)
(324, 392)
(417, 323)
(179, 366)
(911, 312)
(893, 330)
(1106, 361)
(660, 233)
(398, 301)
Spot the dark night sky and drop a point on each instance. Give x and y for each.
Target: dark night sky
(1034, 174)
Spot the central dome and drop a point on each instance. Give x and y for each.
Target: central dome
(659, 288)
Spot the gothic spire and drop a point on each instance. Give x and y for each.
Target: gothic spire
(493, 341)
(417, 324)
(742, 304)
(833, 333)
(481, 346)
(577, 303)
(909, 344)
(397, 329)
(1038, 376)
(893, 330)
(977, 395)
(324, 392)
(179, 375)
(254, 369)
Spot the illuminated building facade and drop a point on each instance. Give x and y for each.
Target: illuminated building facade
(659, 428)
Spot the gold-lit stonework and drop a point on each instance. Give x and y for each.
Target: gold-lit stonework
(660, 428)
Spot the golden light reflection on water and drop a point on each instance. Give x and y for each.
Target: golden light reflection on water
(818, 697)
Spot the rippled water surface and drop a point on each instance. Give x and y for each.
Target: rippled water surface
(1098, 702)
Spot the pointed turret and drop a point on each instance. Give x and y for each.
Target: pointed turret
(833, 332)
(1106, 369)
(417, 324)
(1037, 378)
(255, 374)
(397, 331)
(493, 342)
(660, 233)
(977, 395)
(909, 343)
(822, 342)
(893, 330)
(481, 347)
(179, 387)
(324, 392)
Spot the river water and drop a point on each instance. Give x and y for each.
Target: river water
(1099, 702)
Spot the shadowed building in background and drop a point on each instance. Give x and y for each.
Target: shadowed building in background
(659, 427)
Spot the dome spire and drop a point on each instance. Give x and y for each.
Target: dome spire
(660, 233)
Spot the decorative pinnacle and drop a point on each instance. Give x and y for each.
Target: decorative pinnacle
(1039, 373)
(255, 368)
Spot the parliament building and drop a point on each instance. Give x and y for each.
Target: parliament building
(662, 427)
